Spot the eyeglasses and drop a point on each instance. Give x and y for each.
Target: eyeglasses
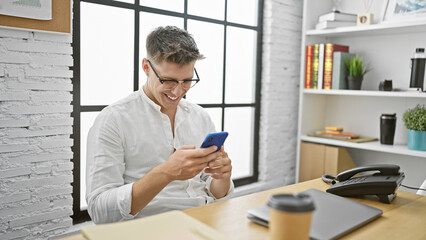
(171, 84)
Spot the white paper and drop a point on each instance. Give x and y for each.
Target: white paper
(34, 9)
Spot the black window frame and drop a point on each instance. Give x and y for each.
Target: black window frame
(82, 215)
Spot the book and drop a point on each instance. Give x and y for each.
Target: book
(337, 16)
(339, 71)
(360, 139)
(336, 135)
(333, 24)
(315, 62)
(308, 66)
(320, 66)
(334, 129)
(329, 49)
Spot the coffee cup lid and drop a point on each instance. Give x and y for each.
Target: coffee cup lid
(292, 202)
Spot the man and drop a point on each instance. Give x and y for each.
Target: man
(142, 157)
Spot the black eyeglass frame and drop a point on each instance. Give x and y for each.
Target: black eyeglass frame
(175, 81)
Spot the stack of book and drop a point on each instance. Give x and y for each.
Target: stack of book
(335, 133)
(336, 19)
(325, 66)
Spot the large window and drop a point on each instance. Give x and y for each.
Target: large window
(109, 44)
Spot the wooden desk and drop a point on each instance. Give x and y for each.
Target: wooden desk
(404, 218)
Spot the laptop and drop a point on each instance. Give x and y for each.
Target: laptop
(333, 217)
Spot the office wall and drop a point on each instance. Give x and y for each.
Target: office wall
(282, 32)
(280, 90)
(35, 128)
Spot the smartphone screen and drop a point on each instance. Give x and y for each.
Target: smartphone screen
(215, 139)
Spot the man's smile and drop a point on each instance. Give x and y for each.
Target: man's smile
(171, 98)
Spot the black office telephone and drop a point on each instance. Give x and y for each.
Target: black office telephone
(383, 183)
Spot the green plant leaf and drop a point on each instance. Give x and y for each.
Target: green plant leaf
(356, 67)
(415, 119)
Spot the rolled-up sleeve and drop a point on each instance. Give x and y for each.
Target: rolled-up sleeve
(208, 179)
(108, 198)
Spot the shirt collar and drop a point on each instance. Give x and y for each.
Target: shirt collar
(183, 104)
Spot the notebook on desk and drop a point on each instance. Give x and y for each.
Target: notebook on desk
(334, 216)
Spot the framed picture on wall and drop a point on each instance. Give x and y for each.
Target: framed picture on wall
(404, 10)
(52, 16)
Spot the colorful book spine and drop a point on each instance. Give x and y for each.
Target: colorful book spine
(315, 63)
(321, 66)
(308, 66)
(329, 49)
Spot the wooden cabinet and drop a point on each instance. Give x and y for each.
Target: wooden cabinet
(318, 159)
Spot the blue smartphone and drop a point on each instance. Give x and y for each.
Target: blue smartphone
(215, 139)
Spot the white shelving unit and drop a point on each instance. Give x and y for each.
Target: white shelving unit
(387, 48)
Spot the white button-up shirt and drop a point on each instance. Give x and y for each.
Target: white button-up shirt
(127, 140)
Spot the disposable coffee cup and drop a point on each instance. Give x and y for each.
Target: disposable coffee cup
(290, 216)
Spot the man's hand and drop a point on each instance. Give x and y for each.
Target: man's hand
(221, 167)
(187, 162)
(183, 164)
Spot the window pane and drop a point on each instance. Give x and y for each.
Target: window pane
(171, 5)
(209, 39)
(207, 8)
(240, 65)
(216, 116)
(149, 21)
(242, 11)
(239, 144)
(107, 36)
(86, 122)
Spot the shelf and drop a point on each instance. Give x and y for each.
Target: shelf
(374, 29)
(365, 93)
(372, 146)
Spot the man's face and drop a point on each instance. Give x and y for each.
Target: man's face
(167, 99)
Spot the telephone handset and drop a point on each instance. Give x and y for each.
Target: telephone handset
(383, 183)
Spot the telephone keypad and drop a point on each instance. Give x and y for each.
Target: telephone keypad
(354, 180)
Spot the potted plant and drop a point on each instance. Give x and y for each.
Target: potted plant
(415, 121)
(356, 71)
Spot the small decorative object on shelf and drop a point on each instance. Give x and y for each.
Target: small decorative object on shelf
(385, 85)
(356, 72)
(415, 121)
(367, 17)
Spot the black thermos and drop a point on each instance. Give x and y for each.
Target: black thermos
(418, 69)
(387, 128)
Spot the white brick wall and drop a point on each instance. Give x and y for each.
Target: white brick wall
(282, 32)
(35, 129)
